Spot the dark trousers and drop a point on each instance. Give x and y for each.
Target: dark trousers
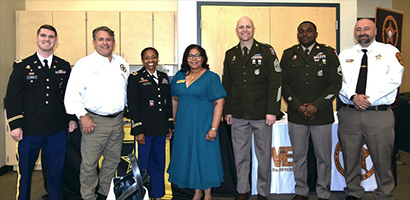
(54, 149)
(151, 156)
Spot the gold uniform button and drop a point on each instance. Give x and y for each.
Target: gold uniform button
(46, 102)
(47, 95)
(47, 79)
(160, 110)
(48, 87)
(159, 95)
(159, 89)
(159, 102)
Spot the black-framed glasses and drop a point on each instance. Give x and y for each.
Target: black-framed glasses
(196, 56)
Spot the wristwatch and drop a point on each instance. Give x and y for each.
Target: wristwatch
(214, 129)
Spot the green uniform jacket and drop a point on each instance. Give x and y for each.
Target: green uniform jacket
(253, 84)
(315, 78)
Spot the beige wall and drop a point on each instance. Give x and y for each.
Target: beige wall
(7, 52)
(404, 6)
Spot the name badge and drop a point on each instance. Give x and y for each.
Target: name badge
(32, 77)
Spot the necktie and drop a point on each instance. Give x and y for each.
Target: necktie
(45, 64)
(155, 79)
(361, 81)
(245, 51)
(307, 51)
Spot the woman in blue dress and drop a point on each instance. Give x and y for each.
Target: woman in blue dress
(198, 98)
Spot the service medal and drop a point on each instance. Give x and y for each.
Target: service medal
(257, 72)
(320, 73)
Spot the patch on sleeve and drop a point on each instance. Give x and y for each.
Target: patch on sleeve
(339, 70)
(290, 98)
(277, 66)
(272, 51)
(329, 96)
(400, 58)
(336, 53)
(279, 95)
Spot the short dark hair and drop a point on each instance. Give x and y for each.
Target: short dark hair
(185, 67)
(103, 28)
(48, 27)
(146, 49)
(308, 22)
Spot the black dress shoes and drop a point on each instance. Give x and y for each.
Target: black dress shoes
(243, 196)
(260, 197)
(300, 197)
(101, 196)
(351, 198)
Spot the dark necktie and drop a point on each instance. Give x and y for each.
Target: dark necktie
(307, 51)
(361, 81)
(155, 79)
(45, 64)
(245, 51)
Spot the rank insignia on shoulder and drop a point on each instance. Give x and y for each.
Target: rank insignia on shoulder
(18, 61)
(164, 81)
(134, 73)
(378, 57)
(400, 58)
(28, 67)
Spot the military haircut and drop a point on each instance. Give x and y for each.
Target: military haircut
(48, 27)
(308, 22)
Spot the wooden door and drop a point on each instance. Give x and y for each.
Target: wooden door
(218, 30)
(284, 23)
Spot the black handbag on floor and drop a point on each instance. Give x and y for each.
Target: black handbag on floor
(130, 186)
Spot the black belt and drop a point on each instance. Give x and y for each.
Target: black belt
(109, 116)
(381, 107)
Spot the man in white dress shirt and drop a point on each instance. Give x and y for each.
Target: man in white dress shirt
(372, 72)
(96, 94)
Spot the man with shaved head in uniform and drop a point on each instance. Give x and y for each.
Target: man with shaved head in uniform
(252, 79)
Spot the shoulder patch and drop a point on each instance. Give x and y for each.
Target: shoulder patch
(400, 58)
(18, 61)
(134, 73)
(272, 51)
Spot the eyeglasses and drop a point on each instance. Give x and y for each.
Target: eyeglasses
(196, 56)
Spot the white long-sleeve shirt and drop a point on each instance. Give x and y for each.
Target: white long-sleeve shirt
(384, 73)
(98, 85)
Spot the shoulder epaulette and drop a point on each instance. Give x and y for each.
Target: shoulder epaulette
(265, 45)
(237, 46)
